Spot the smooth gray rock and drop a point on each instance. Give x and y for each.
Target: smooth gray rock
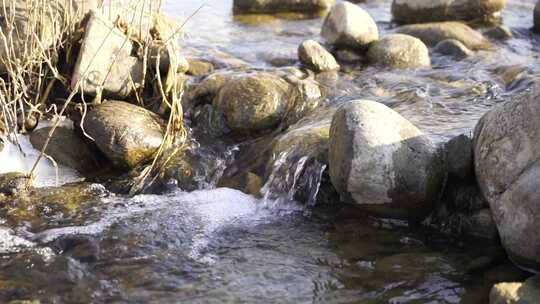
(105, 66)
(383, 163)
(280, 6)
(418, 11)
(349, 26)
(453, 48)
(315, 57)
(399, 51)
(127, 134)
(507, 165)
(433, 33)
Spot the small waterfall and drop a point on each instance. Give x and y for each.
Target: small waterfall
(294, 178)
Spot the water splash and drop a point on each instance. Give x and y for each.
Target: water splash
(294, 178)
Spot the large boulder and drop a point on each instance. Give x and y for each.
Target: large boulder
(433, 33)
(280, 6)
(506, 156)
(399, 51)
(383, 163)
(349, 26)
(24, 31)
(66, 148)
(315, 57)
(253, 102)
(125, 133)
(105, 66)
(417, 11)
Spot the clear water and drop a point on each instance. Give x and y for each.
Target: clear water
(223, 246)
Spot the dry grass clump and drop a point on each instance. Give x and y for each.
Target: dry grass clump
(34, 33)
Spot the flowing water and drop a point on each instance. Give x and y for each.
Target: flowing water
(223, 246)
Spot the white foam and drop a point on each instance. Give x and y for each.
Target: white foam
(13, 159)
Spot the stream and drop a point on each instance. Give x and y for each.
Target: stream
(218, 245)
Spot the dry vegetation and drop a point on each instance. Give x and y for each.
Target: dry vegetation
(37, 40)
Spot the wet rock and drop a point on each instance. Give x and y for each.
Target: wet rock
(383, 163)
(253, 102)
(306, 139)
(506, 272)
(206, 90)
(516, 293)
(433, 33)
(158, 56)
(399, 51)
(306, 96)
(418, 11)
(246, 182)
(41, 206)
(48, 29)
(14, 183)
(278, 6)
(348, 56)
(349, 26)
(163, 48)
(105, 65)
(481, 225)
(125, 133)
(314, 56)
(222, 60)
(463, 196)
(80, 247)
(500, 32)
(459, 157)
(453, 48)
(66, 148)
(199, 67)
(506, 157)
